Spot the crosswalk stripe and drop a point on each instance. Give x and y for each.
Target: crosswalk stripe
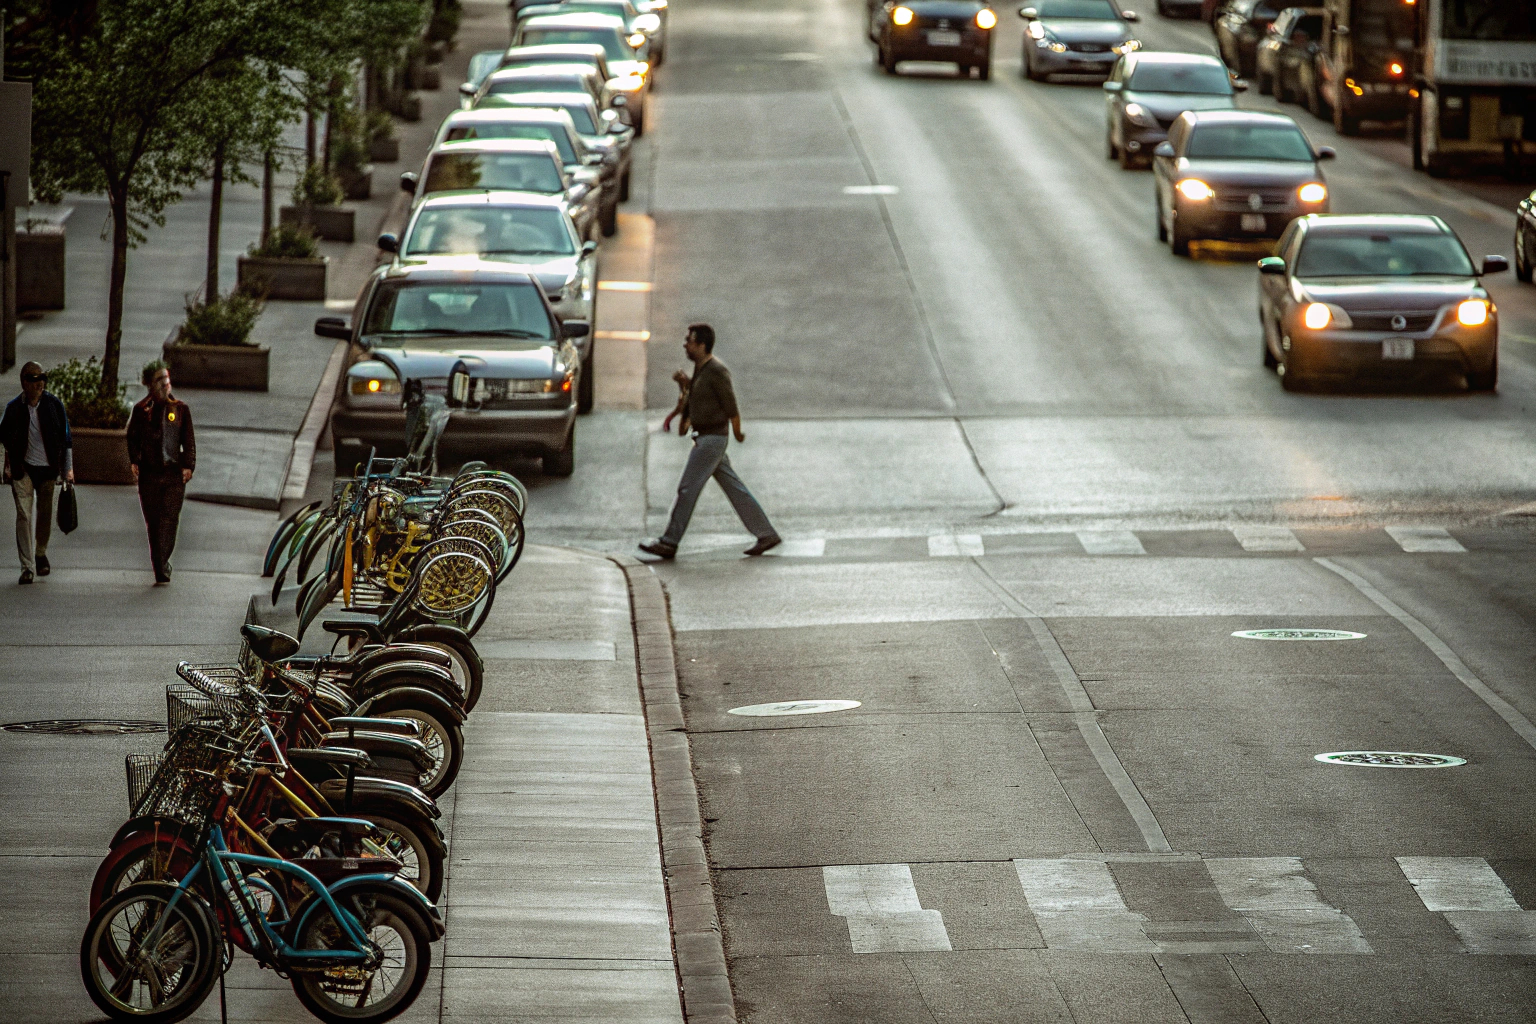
(1457, 883)
(1110, 542)
(1077, 905)
(1267, 538)
(956, 545)
(1282, 905)
(880, 904)
(1424, 538)
(806, 547)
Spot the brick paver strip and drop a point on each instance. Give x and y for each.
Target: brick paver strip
(697, 949)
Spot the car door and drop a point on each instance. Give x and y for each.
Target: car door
(1163, 166)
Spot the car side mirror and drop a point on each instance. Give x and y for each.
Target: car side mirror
(588, 248)
(468, 89)
(577, 192)
(1272, 265)
(1495, 264)
(1130, 16)
(575, 328)
(1028, 13)
(1113, 86)
(1326, 152)
(1240, 85)
(408, 182)
(333, 327)
(388, 242)
(1163, 149)
(619, 102)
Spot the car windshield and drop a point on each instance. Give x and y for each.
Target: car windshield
(516, 172)
(608, 38)
(536, 132)
(595, 7)
(1098, 10)
(1201, 79)
(1382, 254)
(482, 64)
(1247, 142)
(539, 83)
(513, 309)
(489, 231)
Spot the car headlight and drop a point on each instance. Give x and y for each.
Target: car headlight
(1472, 313)
(1195, 190)
(985, 18)
(1317, 315)
(375, 386)
(1138, 114)
(1128, 46)
(1058, 47)
(636, 39)
(901, 16)
(1036, 30)
(647, 23)
(1312, 192)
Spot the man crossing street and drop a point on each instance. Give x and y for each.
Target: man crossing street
(163, 451)
(38, 451)
(709, 406)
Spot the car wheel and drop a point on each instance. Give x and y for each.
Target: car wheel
(1344, 122)
(1029, 68)
(1127, 161)
(1111, 151)
(1264, 84)
(1266, 327)
(1178, 241)
(888, 61)
(1488, 380)
(1522, 260)
(624, 186)
(588, 383)
(609, 220)
(984, 70)
(1162, 226)
(964, 70)
(1288, 380)
(562, 462)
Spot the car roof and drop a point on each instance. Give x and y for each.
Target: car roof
(497, 146)
(612, 21)
(504, 74)
(1171, 57)
(464, 267)
(539, 99)
(503, 197)
(1399, 223)
(554, 50)
(1199, 117)
(521, 115)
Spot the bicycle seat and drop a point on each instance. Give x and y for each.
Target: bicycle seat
(366, 627)
(269, 645)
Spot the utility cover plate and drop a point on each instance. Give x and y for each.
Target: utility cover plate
(1389, 759)
(85, 726)
(794, 707)
(1298, 634)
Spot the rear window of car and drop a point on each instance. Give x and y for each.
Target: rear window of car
(489, 231)
(1099, 10)
(482, 64)
(536, 132)
(1247, 142)
(1201, 79)
(427, 307)
(539, 83)
(609, 39)
(516, 172)
(1381, 254)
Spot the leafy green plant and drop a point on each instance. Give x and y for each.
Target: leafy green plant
(444, 23)
(378, 125)
(349, 150)
(317, 187)
(287, 242)
(78, 386)
(226, 320)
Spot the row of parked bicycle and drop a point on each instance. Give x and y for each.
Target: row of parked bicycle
(292, 813)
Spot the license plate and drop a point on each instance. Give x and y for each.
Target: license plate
(1253, 222)
(943, 38)
(1397, 348)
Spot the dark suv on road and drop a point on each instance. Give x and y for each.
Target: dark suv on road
(958, 31)
(1147, 92)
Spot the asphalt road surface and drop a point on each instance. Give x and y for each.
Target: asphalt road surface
(1034, 477)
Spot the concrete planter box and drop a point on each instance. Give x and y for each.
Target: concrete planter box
(410, 108)
(384, 151)
(431, 78)
(40, 268)
(356, 185)
(302, 280)
(236, 367)
(332, 223)
(101, 456)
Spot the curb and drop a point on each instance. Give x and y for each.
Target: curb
(696, 943)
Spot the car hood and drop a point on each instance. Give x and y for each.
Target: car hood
(538, 359)
(1251, 172)
(1081, 30)
(1397, 294)
(552, 272)
(1166, 106)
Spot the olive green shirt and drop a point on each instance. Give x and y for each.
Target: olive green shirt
(711, 399)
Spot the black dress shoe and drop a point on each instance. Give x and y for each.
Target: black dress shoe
(764, 544)
(26, 577)
(43, 568)
(659, 548)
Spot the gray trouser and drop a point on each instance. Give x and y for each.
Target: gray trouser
(708, 459)
(24, 490)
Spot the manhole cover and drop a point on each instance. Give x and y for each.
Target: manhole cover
(1390, 759)
(1298, 634)
(85, 726)
(795, 707)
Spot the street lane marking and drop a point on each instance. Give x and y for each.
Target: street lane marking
(956, 545)
(880, 904)
(1495, 932)
(1457, 883)
(623, 286)
(1415, 539)
(1110, 542)
(808, 547)
(870, 190)
(1458, 668)
(1282, 905)
(1077, 905)
(1267, 538)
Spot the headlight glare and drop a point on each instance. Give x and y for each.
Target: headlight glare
(1195, 190)
(1317, 316)
(985, 18)
(636, 39)
(1036, 30)
(1472, 313)
(1138, 114)
(1129, 46)
(1313, 192)
(1058, 47)
(901, 16)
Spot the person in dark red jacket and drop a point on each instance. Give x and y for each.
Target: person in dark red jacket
(163, 451)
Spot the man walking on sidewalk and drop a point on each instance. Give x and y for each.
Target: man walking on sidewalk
(38, 450)
(163, 451)
(709, 405)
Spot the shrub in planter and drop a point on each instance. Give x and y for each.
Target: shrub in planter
(286, 267)
(213, 349)
(383, 147)
(315, 203)
(444, 24)
(350, 155)
(98, 425)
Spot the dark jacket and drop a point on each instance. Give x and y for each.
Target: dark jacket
(146, 435)
(51, 419)
(711, 398)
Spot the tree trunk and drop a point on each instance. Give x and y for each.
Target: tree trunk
(309, 136)
(118, 199)
(215, 215)
(266, 196)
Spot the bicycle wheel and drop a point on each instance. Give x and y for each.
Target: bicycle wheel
(146, 856)
(142, 959)
(348, 995)
(413, 844)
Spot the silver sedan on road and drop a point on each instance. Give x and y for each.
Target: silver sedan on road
(1075, 37)
(507, 165)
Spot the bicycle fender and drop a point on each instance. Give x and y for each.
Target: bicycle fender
(394, 652)
(379, 793)
(443, 701)
(147, 823)
(429, 912)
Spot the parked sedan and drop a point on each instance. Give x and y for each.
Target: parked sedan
(1284, 59)
(523, 360)
(581, 78)
(531, 56)
(1525, 238)
(647, 23)
(1234, 174)
(1239, 27)
(1147, 92)
(949, 31)
(1075, 37)
(627, 54)
(506, 165)
(1375, 293)
(600, 130)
